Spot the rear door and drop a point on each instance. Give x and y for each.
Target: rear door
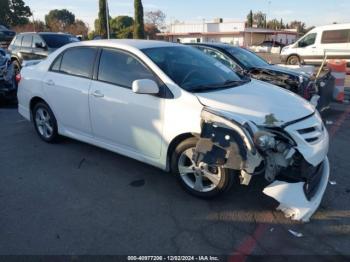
(67, 86)
(40, 50)
(26, 51)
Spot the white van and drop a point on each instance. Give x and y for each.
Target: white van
(310, 49)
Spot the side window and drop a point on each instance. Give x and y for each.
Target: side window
(18, 41)
(335, 36)
(27, 41)
(56, 65)
(308, 40)
(221, 57)
(122, 69)
(38, 42)
(78, 61)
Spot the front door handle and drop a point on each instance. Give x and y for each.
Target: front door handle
(98, 93)
(50, 82)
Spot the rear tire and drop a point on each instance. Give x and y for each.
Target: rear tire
(45, 123)
(195, 180)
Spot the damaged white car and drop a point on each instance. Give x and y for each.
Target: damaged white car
(178, 109)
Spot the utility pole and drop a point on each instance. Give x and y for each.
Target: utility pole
(107, 19)
(33, 21)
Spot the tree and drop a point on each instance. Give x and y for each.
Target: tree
(156, 18)
(273, 24)
(36, 26)
(139, 30)
(102, 19)
(260, 19)
(151, 31)
(78, 28)
(300, 26)
(250, 19)
(59, 19)
(122, 26)
(14, 12)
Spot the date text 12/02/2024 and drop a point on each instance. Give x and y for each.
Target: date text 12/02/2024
(173, 258)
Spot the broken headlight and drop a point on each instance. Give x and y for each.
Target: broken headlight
(264, 140)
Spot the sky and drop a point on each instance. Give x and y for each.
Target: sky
(312, 12)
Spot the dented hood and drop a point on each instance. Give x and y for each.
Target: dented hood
(259, 102)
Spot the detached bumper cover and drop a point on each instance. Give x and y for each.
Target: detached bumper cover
(291, 196)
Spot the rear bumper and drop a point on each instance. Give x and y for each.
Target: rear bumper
(7, 91)
(292, 198)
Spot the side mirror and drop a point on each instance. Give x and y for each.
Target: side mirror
(145, 86)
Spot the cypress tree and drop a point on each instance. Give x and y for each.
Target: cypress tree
(102, 19)
(250, 19)
(139, 29)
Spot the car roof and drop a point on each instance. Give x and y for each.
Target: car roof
(44, 33)
(216, 45)
(138, 44)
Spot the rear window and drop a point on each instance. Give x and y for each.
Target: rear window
(27, 41)
(57, 40)
(335, 36)
(78, 61)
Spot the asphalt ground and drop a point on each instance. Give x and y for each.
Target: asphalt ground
(75, 199)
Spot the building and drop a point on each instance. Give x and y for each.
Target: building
(231, 32)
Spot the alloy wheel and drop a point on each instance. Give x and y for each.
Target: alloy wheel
(202, 178)
(44, 123)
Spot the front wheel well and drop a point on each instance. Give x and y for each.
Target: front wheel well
(174, 143)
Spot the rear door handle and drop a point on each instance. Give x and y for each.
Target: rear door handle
(50, 82)
(98, 93)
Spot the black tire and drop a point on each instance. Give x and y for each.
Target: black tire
(293, 60)
(53, 136)
(17, 66)
(226, 178)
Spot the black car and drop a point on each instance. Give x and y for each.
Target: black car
(6, 36)
(246, 62)
(36, 46)
(8, 85)
(272, 44)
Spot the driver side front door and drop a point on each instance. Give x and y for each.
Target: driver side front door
(119, 117)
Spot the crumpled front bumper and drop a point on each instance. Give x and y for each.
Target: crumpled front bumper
(291, 196)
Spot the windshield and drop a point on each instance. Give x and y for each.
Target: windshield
(57, 41)
(247, 58)
(193, 70)
(2, 27)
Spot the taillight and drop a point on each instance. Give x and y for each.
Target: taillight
(18, 78)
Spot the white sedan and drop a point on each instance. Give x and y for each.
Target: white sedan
(178, 109)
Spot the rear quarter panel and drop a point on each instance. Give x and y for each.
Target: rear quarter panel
(29, 87)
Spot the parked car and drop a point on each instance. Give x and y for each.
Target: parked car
(310, 49)
(245, 61)
(268, 47)
(36, 46)
(174, 107)
(8, 85)
(6, 36)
